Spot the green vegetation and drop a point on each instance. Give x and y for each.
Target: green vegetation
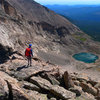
(80, 37)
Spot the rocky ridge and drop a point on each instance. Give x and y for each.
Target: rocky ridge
(44, 81)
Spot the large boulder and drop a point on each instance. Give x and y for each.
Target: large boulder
(54, 89)
(77, 90)
(23, 72)
(97, 85)
(30, 86)
(15, 92)
(86, 96)
(93, 82)
(76, 82)
(67, 80)
(4, 91)
(51, 78)
(34, 95)
(53, 99)
(62, 93)
(98, 94)
(83, 77)
(40, 82)
(88, 88)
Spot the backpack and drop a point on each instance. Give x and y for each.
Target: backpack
(28, 52)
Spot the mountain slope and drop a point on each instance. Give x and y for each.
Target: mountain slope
(38, 13)
(53, 37)
(87, 17)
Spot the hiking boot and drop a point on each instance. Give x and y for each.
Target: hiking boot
(30, 65)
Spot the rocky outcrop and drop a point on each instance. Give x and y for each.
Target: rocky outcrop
(62, 93)
(88, 88)
(68, 81)
(44, 82)
(9, 9)
(53, 78)
(30, 86)
(55, 89)
(5, 52)
(10, 89)
(34, 95)
(4, 91)
(77, 90)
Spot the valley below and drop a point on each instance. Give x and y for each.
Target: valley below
(86, 17)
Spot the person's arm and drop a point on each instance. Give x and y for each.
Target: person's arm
(32, 52)
(25, 53)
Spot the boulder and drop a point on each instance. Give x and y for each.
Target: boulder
(16, 56)
(92, 82)
(83, 77)
(40, 82)
(15, 92)
(97, 85)
(53, 99)
(54, 89)
(88, 88)
(34, 95)
(50, 78)
(76, 82)
(62, 93)
(67, 80)
(30, 86)
(53, 80)
(77, 90)
(98, 95)
(24, 72)
(85, 96)
(4, 91)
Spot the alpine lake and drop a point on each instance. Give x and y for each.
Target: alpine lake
(86, 57)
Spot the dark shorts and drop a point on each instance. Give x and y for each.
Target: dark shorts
(29, 57)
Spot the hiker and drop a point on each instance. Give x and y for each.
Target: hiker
(29, 54)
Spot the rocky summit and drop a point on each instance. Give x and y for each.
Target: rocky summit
(54, 74)
(44, 81)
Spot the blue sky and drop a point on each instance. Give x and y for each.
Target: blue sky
(69, 2)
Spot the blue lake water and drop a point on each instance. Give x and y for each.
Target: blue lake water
(86, 57)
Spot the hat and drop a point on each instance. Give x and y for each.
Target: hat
(30, 45)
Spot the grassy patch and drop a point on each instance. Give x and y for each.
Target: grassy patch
(83, 39)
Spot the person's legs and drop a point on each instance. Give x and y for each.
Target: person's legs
(30, 60)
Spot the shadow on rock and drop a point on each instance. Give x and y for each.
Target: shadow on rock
(20, 68)
(5, 52)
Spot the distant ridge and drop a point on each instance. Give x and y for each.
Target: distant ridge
(86, 17)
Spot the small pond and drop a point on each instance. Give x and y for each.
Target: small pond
(86, 57)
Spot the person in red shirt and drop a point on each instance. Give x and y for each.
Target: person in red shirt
(29, 54)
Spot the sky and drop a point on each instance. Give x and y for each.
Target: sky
(69, 2)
